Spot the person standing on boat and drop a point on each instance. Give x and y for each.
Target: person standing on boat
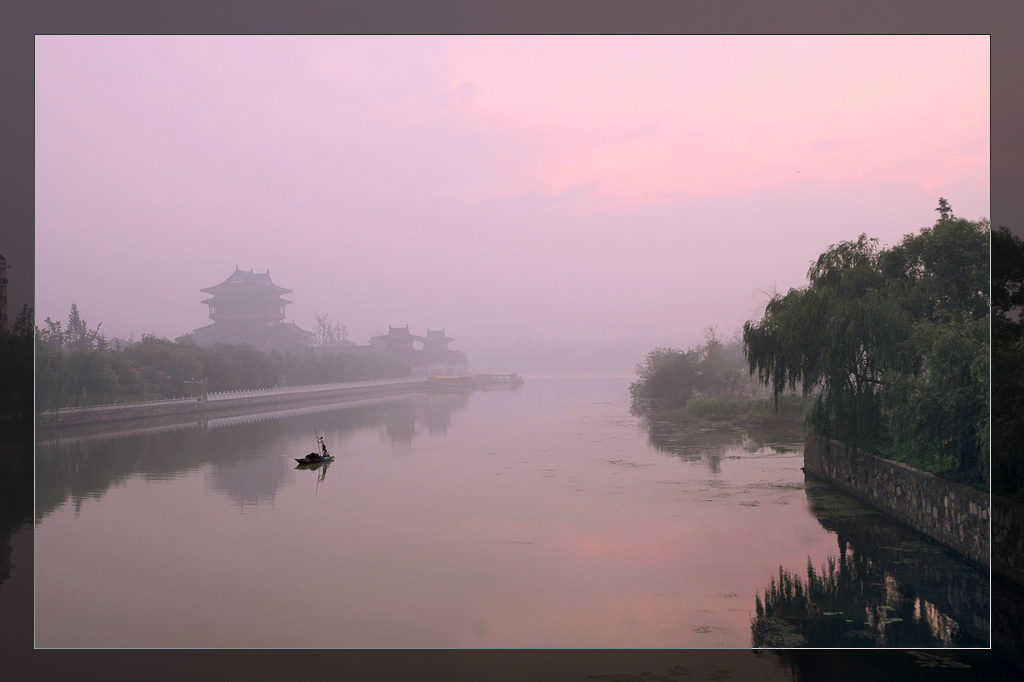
(323, 447)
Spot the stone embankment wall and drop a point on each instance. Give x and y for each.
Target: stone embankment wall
(952, 514)
(219, 402)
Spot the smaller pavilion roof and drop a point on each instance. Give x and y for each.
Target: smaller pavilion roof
(436, 335)
(400, 333)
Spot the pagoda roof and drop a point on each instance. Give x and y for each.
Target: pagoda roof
(435, 335)
(242, 281)
(399, 333)
(248, 332)
(290, 329)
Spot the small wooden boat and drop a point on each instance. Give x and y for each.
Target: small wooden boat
(317, 457)
(314, 458)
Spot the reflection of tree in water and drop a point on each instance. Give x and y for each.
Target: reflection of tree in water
(16, 500)
(84, 463)
(949, 584)
(708, 444)
(86, 468)
(850, 602)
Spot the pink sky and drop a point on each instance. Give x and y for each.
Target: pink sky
(633, 188)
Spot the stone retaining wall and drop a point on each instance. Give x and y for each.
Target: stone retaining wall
(128, 411)
(246, 400)
(952, 514)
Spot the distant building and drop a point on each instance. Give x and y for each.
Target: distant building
(397, 339)
(435, 359)
(436, 342)
(4, 267)
(248, 307)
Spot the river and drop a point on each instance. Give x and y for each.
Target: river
(542, 517)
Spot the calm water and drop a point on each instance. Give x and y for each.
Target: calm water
(541, 517)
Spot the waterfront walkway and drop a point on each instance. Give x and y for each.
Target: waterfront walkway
(227, 400)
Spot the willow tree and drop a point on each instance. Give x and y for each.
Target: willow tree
(835, 338)
(891, 344)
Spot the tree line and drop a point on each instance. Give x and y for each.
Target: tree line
(78, 365)
(16, 371)
(889, 349)
(892, 347)
(669, 378)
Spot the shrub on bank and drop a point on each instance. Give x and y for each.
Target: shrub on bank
(740, 410)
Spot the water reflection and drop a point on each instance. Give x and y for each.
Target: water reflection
(250, 481)
(321, 472)
(16, 500)
(242, 452)
(886, 587)
(401, 426)
(708, 444)
(438, 409)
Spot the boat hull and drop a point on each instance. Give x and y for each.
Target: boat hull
(313, 460)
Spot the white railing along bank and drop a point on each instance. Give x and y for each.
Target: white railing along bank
(235, 395)
(311, 388)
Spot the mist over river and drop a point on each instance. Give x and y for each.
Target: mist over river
(542, 517)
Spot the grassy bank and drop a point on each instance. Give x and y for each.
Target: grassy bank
(739, 411)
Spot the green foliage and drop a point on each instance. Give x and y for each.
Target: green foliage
(16, 368)
(742, 410)
(1007, 365)
(51, 375)
(944, 270)
(235, 367)
(891, 345)
(938, 416)
(164, 365)
(666, 380)
(23, 326)
(669, 378)
(311, 366)
(76, 366)
(89, 374)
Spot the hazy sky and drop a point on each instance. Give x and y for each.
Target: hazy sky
(637, 187)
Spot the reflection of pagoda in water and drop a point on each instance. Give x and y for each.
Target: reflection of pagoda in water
(248, 307)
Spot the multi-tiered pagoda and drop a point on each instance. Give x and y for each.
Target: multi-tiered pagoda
(248, 307)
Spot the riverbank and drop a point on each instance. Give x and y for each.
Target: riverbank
(954, 515)
(738, 411)
(283, 397)
(225, 402)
